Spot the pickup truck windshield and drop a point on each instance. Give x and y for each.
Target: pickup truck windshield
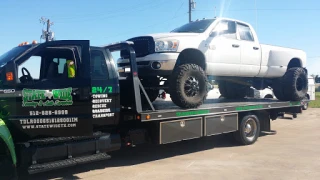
(195, 27)
(8, 56)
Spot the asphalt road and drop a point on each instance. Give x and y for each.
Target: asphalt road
(293, 152)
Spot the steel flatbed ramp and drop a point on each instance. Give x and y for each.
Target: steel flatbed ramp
(168, 110)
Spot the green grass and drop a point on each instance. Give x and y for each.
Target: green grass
(315, 103)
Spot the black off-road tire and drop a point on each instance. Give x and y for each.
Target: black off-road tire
(230, 90)
(177, 86)
(293, 86)
(240, 135)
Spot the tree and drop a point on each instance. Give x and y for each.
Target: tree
(317, 79)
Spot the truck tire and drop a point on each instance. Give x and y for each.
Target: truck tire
(188, 86)
(248, 130)
(293, 86)
(7, 169)
(230, 90)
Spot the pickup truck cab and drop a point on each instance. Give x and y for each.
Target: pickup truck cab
(227, 50)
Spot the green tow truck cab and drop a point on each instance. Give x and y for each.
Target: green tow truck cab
(78, 109)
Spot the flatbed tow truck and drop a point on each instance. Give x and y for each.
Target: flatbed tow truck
(56, 121)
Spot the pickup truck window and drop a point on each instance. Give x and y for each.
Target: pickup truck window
(245, 32)
(99, 67)
(195, 27)
(226, 29)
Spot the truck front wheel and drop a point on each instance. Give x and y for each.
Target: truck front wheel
(188, 86)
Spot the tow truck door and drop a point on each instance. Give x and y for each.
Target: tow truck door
(105, 91)
(56, 105)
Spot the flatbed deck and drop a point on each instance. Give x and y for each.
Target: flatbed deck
(168, 110)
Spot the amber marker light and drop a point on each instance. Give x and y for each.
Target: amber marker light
(9, 76)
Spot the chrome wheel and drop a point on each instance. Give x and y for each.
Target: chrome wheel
(250, 129)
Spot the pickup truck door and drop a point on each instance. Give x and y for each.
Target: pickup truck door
(250, 52)
(53, 104)
(223, 50)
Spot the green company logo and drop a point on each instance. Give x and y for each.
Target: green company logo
(191, 113)
(243, 108)
(56, 97)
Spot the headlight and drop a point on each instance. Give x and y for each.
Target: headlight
(166, 45)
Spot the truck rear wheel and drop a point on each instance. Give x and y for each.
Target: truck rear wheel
(293, 86)
(232, 90)
(248, 130)
(188, 86)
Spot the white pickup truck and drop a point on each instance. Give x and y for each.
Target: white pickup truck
(224, 49)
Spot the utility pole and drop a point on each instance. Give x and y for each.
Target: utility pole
(215, 11)
(47, 34)
(192, 5)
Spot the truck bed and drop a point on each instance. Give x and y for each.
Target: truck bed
(168, 110)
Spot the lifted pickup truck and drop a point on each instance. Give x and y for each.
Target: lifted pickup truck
(57, 120)
(226, 49)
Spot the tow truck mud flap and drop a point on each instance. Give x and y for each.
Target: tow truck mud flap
(178, 130)
(220, 124)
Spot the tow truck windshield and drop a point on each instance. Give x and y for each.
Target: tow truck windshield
(13, 53)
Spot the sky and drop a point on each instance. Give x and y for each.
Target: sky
(293, 23)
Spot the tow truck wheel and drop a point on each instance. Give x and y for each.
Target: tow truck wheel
(248, 131)
(7, 168)
(305, 104)
(188, 86)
